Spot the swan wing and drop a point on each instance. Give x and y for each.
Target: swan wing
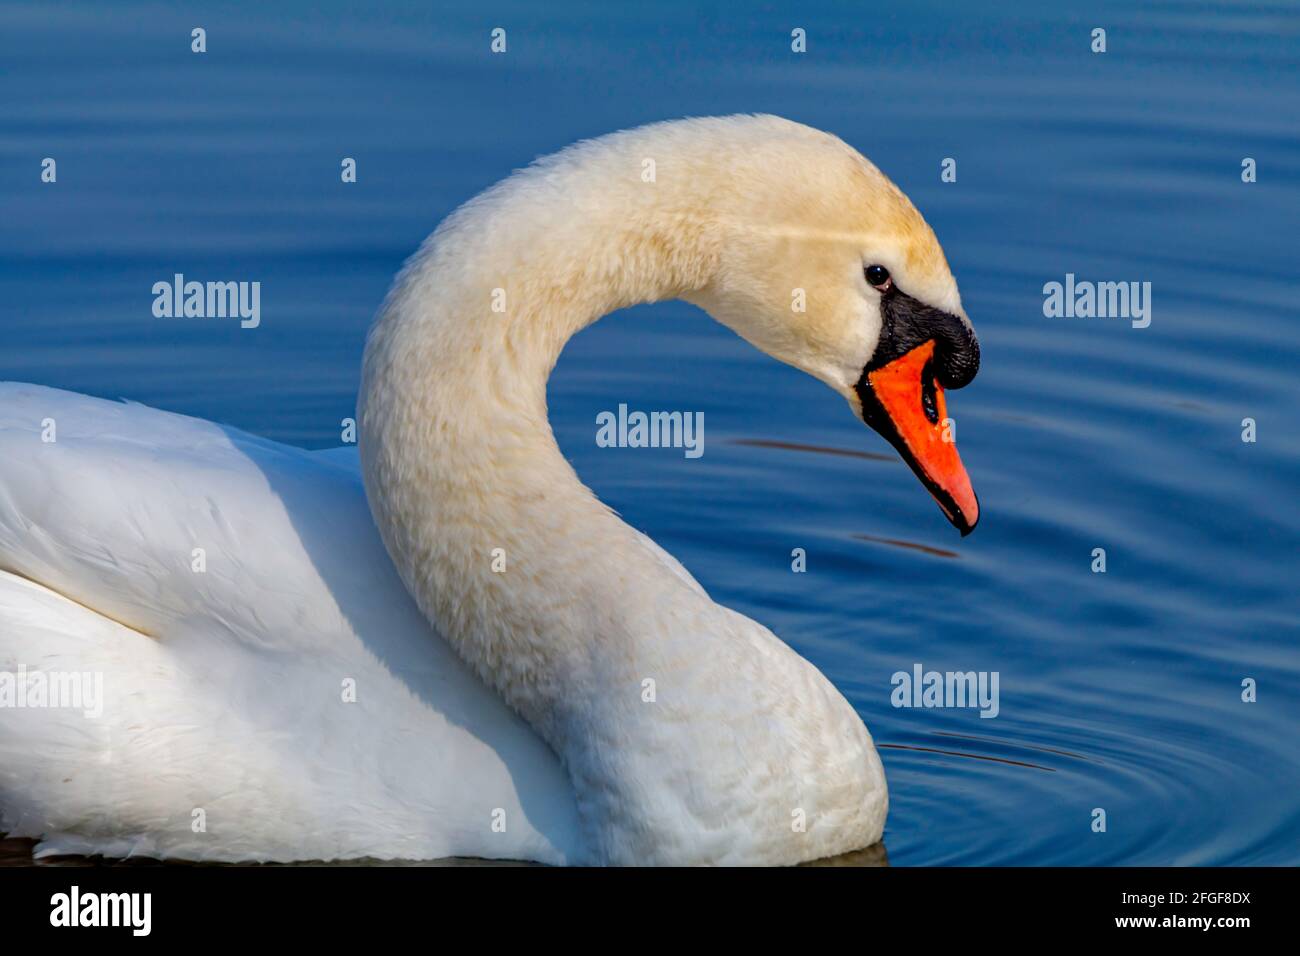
(269, 690)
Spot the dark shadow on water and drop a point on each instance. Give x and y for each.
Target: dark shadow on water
(997, 742)
(961, 753)
(815, 449)
(1008, 743)
(910, 545)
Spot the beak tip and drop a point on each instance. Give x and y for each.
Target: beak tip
(970, 519)
(965, 518)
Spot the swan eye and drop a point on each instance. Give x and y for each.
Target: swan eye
(878, 276)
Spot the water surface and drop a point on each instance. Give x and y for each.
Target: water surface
(1119, 691)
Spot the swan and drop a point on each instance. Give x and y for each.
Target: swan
(438, 642)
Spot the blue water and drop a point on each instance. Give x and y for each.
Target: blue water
(1119, 691)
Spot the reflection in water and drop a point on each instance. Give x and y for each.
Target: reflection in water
(869, 856)
(15, 852)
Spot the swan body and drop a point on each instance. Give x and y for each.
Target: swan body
(530, 678)
(224, 689)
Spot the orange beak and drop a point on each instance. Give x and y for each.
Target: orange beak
(912, 415)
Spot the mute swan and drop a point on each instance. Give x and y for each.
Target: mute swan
(271, 686)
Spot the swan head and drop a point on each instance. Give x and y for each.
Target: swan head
(823, 263)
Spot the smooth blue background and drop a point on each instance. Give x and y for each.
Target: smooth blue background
(1119, 691)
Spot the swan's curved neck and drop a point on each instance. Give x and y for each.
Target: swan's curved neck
(540, 588)
(497, 539)
(608, 649)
